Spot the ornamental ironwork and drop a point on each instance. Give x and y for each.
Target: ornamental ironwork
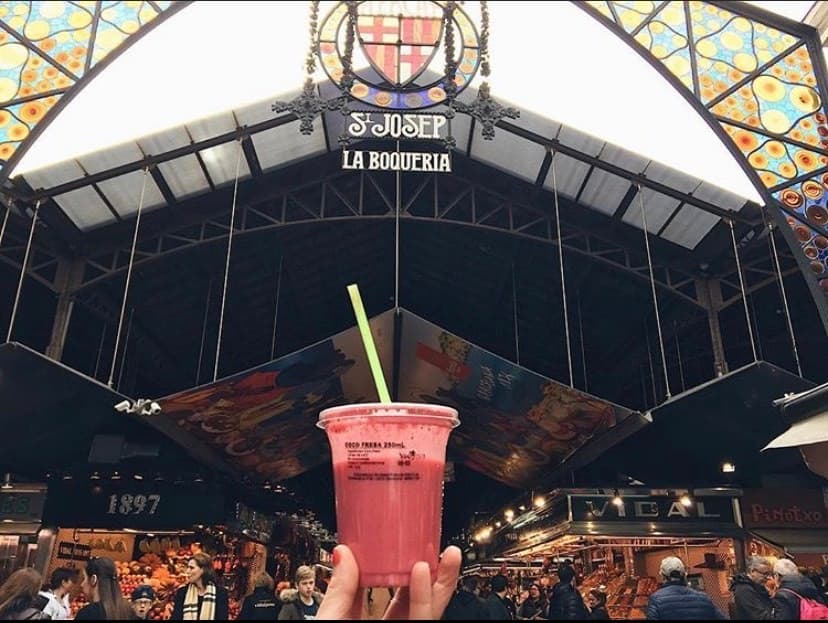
(398, 57)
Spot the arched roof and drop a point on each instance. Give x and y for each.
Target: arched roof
(754, 77)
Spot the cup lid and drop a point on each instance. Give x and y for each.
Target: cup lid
(393, 409)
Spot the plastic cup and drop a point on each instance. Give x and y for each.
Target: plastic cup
(388, 462)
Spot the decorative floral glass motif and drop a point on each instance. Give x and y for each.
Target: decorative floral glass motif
(46, 48)
(760, 85)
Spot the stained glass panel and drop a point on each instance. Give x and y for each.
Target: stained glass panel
(45, 51)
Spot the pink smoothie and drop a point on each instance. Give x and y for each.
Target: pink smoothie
(388, 476)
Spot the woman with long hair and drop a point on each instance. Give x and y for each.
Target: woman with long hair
(18, 595)
(201, 599)
(99, 582)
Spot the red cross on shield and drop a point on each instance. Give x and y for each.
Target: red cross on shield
(399, 48)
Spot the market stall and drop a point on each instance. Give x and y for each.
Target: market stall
(21, 509)
(150, 530)
(616, 542)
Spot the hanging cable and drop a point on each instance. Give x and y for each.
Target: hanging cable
(678, 356)
(653, 288)
(650, 362)
(581, 339)
(128, 278)
(515, 316)
(276, 310)
(23, 269)
(126, 347)
(784, 297)
(397, 238)
(563, 278)
(5, 222)
(227, 262)
(744, 293)
(100, 351)
(204, 330)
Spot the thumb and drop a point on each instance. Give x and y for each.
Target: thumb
(339, 600)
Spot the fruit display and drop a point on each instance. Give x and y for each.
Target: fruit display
(163, 566)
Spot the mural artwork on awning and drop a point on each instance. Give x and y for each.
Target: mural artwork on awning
(514, 423)
(263, 421)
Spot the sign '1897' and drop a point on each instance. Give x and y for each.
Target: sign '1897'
(128, 504)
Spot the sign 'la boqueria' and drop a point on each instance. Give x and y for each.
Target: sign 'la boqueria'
(396, 59)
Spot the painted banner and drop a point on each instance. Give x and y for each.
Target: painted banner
(263, 421)
(514, 422)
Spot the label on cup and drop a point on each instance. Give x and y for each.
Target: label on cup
(381, 460)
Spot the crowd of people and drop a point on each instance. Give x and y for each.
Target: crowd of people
(764, 592)
(202, 598)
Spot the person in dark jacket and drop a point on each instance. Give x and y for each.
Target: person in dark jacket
(597, 602)
(676, 601)
(260, 605)
(465, 605)
(792, 586)
(565, 602)
(533, 606)
(496, 603)
(751, 600)
(301, 603)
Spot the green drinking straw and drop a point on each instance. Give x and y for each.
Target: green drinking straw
(368, 342)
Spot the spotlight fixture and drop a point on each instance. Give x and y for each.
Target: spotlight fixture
(159, 477)
(521, 508)
(540, 501)
(617, 499)
(509, 515)
(267, 485)
(198, 478)
(7, 484)
(497, 524)
(95, 476)
(685, 500)
(115, 476)
(137, 476)
(67, 477)
(728, 467)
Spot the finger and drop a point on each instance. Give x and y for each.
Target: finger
(338, 602)
(447, 573)
(419, 593)
(397, 610)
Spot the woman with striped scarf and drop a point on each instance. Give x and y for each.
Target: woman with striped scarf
(201, 599)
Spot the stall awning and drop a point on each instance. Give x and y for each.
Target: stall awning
(796, 541)
(658, 529)
(809, 431)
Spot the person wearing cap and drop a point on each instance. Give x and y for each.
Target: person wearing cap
(675, 601)
(142, 598)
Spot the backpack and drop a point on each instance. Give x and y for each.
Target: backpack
(810, 609)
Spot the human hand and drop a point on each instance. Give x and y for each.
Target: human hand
(421, 600)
